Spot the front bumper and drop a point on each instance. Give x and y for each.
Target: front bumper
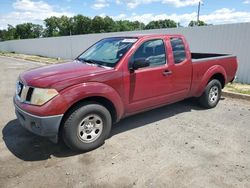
(47, 126)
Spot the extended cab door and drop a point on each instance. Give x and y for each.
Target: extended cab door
(149, 86)
(181, 66)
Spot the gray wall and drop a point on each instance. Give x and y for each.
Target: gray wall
(229, 39)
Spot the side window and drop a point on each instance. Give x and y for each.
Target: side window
(153, 51)
(178, 50)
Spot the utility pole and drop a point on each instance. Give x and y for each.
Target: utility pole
(198, 15)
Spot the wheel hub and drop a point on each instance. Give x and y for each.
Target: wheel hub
(90, 128)
(214, 94)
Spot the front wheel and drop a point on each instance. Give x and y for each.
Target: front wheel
(211, 95)
(86, 127)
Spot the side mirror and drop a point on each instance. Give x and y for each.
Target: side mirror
(140, 63)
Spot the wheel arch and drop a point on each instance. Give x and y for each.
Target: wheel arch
(220, 77)
(95, 92)
(214, 72)
(94, 99)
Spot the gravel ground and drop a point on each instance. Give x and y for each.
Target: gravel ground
(180, 145)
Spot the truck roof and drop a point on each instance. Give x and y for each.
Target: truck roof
(146, 35)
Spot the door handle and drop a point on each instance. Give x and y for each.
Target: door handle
(167, 72)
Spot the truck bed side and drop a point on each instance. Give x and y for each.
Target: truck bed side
(204, 69)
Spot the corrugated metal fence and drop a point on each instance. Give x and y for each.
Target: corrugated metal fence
(230, 39)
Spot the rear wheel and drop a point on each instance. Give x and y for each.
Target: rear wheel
(86, 127)
(211, 95)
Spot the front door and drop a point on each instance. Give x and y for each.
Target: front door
(150, 86)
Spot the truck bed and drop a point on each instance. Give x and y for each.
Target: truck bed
(207, 56)
(202, 62)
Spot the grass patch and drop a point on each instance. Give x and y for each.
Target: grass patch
(238, 88)
(36, 58)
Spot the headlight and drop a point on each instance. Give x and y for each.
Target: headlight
(41, 96)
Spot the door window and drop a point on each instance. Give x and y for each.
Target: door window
(152, 51)
(178, 50)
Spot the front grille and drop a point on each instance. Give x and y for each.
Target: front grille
(23, 92)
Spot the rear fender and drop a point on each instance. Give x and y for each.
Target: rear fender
(216, 69)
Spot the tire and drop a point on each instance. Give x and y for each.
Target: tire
(211, 95)
(86, 127)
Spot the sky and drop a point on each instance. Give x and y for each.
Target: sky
(183, 11)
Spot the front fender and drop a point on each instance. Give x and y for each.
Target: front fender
(73, 94)
(216, 69)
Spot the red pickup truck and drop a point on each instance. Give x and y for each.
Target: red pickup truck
(116, 77)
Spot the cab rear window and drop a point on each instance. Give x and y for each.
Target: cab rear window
(179, 51)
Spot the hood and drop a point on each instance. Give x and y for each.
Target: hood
(45, 77)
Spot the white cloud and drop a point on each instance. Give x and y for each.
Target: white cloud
(30, 11)
(221, 16)
(226, 15)
(182, 3)
(176, 3)
(146, 18)
(37, 11)
(246, 2)
(99, 4)
(123, 17)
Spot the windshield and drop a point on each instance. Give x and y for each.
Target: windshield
(107, 52)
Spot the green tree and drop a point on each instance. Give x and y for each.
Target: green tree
(194, 23)
(9, 34)
(161, 24)
(37, 31)
(81, 25)
(124, 25)
(98, 25)
(28, 30)
(2, 34)
(65, 25)
(51, 25)
(152, 25)
(109, 24)
(136, 25)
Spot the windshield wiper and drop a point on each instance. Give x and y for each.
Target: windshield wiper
(88, 61)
